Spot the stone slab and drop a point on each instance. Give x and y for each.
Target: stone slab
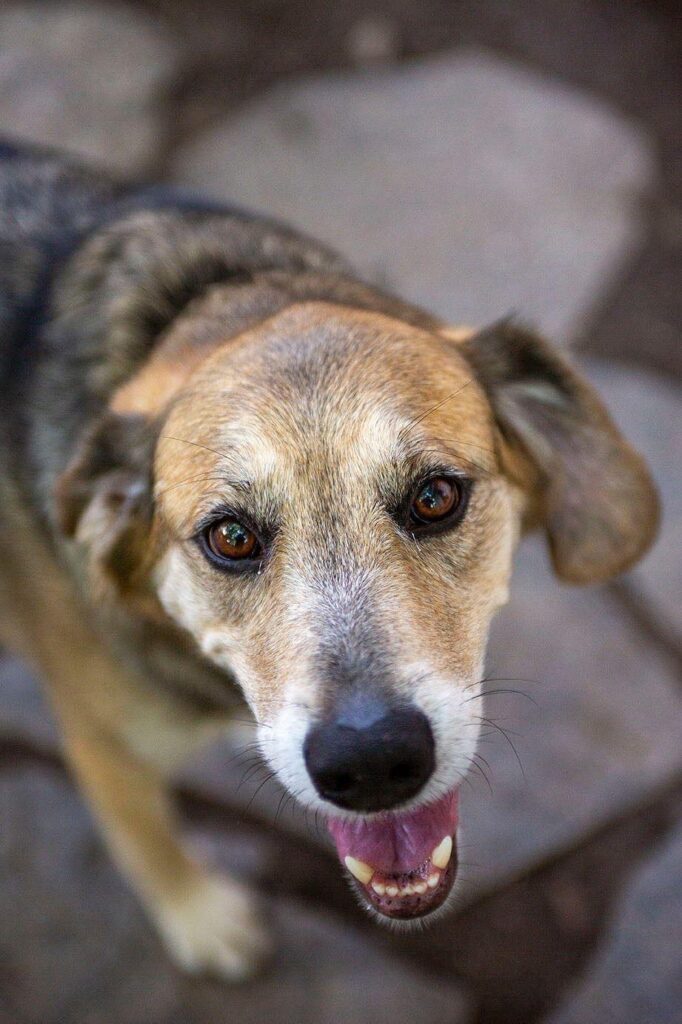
(465, 182)
(636, 976)
(86, 77)
(605, 728)
(24, 713)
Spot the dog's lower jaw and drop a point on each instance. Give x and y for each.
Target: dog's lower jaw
(410, 896)
(403, 863)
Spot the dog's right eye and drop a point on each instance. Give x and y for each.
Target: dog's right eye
(231, 541)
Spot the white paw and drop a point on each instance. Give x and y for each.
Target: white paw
(212, 928)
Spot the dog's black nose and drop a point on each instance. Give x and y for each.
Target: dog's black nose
(370, 758)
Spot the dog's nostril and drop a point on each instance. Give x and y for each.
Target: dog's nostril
(403, 772)
(336, 782)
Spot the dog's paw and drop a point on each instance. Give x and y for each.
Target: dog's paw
(212, 928)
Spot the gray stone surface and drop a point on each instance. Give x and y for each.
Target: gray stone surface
(24, 713)
(87, 77)
(606, 726)
(466, 183)
(636, 977)
(75, 946)
(649, 410)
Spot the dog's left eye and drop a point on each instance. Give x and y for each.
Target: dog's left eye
(230, 541)
(436, 500)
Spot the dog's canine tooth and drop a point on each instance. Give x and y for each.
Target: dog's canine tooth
(442, 853)
(358, 869)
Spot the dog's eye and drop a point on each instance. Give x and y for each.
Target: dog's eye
(229, 540)
(436, 499)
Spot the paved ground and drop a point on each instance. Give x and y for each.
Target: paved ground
(531, 164)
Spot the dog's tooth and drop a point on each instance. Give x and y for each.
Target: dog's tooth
(379, 888)
(363, 872)
(408, 890)
(420, 887)
(391, 890)
(442, 853)
(433, 880)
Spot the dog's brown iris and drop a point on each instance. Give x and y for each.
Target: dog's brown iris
(435, 500)
(231, 539)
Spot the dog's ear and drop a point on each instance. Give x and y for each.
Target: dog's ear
(104, 496)
(589, 489)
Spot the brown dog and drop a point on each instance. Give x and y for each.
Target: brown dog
(232, 472)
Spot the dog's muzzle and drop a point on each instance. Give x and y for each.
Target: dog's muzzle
(372, 759)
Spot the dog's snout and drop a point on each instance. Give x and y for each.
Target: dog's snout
(371, 762)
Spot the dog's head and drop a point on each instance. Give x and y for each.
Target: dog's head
(335, 500)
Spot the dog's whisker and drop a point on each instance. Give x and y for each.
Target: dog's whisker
(271, 775)
(506, 734)
(510, 679)
(284, 800)
(197, 444)
(250, 773)
(492, 693)
(434, 408)
(481, 758)
(205, 477)
(478, 767)
(469, 444)
(246, 749)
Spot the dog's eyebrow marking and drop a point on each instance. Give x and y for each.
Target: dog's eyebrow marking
(438, 447)
(457, 456)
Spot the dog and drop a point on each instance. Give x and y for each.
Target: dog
(232, 473)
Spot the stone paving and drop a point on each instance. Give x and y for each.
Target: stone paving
(86, 76)
(444, 152)
(636, 974)
(476, 185)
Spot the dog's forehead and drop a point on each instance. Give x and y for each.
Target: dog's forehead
(318, 368)
(324, 386)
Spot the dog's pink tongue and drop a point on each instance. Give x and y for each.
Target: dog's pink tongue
(396, 843)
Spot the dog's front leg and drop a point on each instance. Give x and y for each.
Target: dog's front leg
(206, 921)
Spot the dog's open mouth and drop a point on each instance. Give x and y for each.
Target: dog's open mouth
(405, 863)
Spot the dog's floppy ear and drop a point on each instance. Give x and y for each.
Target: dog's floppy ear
(104, 496)
(589, 489)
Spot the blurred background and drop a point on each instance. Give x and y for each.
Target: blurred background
(481, 158)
